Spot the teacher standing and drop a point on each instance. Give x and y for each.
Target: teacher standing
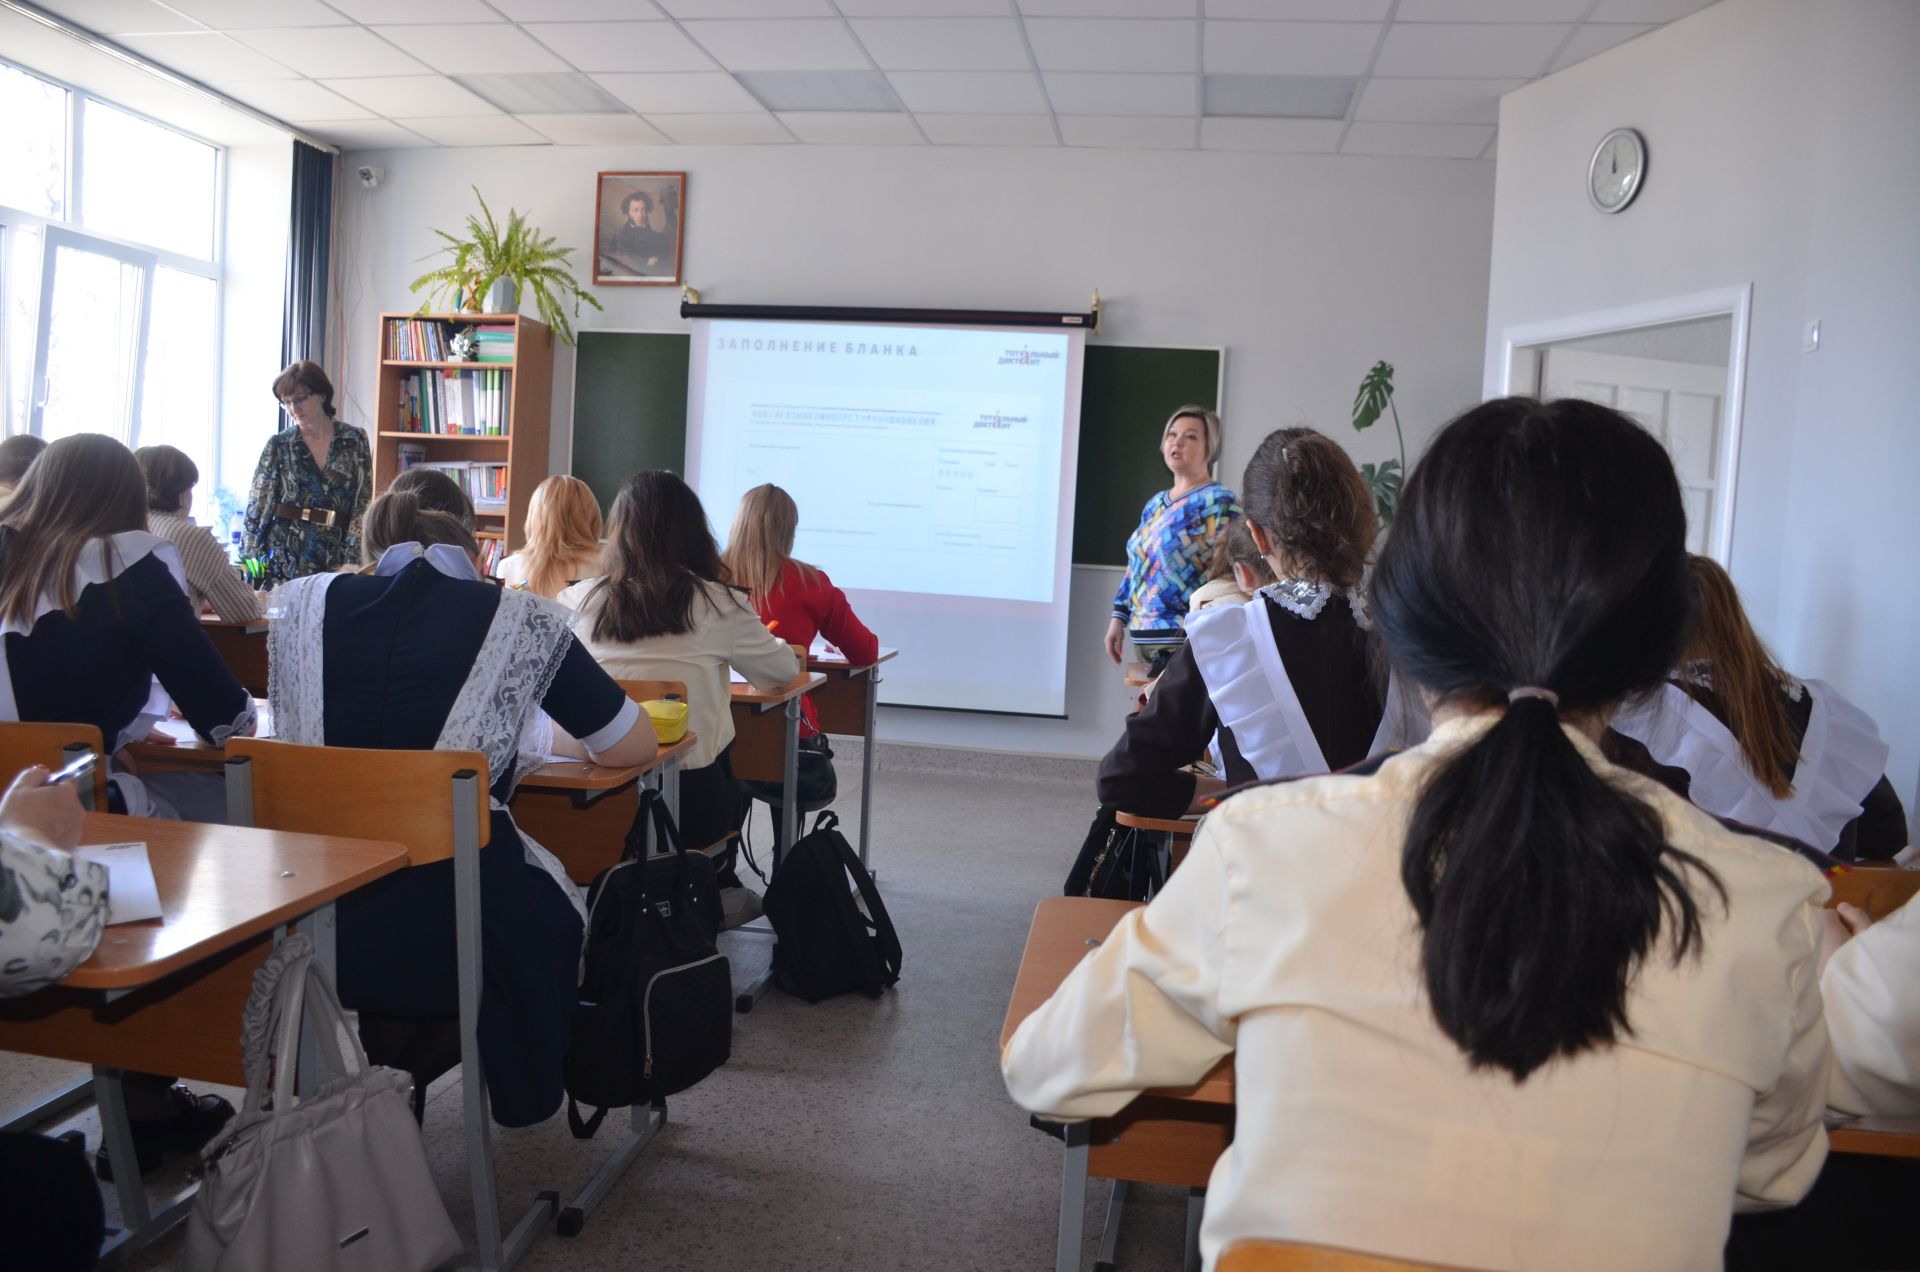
(312, 486)
(1168, 554)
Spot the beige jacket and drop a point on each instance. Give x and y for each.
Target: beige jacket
(726, 633)
(210, 576)
(1286, 937)
(1872, 992)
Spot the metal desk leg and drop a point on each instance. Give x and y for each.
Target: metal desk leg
(670, 787)
(140, 1223)
(789, 830)
(643, 1122)
(1073, 1196)
(320, 929)
(866, 769)
(1196, 1207)
(1110, 1230)
(79, 1091)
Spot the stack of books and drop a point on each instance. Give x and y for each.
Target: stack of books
(494, 343)
(468, 403)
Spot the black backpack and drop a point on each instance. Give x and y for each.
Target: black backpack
(655, 1013)
(826, 944)
(1114, 862)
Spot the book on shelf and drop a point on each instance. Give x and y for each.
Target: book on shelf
(492, 552)
(460, 402)
(410, 455)
(485, 483)
(418, 339)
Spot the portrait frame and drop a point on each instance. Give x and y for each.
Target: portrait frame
(620, 238)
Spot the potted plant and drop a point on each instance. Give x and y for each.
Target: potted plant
(1385, 478)
(498, 266)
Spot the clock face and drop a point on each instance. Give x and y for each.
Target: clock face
(1613, 178)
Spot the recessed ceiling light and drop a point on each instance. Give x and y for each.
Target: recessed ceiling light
(1277, 96)
(543, 93)
(820, 90)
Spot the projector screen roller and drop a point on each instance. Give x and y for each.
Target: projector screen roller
(933, 469)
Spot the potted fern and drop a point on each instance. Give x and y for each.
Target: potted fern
(497, 267)
(1383, 479)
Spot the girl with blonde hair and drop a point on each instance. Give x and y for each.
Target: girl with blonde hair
(563, 538)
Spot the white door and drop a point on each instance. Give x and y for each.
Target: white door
(1682, 404)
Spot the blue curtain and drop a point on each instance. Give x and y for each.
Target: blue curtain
(303, 325)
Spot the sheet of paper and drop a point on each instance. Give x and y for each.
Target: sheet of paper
(132, 894)
(734, 676)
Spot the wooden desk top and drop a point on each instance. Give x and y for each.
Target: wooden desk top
(1878, 1137)
(837, 664)
(251, 627)
(584, 775)
(1056, 943)
(805, 682)
(220, 885)
(1166, 825)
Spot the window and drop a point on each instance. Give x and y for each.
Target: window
(109, 273)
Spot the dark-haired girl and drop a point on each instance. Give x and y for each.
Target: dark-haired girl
(663, 611)
(1283, 685)
(1496, 1003)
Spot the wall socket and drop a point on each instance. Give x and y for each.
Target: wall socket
(1810, 343)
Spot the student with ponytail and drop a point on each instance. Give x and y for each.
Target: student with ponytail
(1496, 1003)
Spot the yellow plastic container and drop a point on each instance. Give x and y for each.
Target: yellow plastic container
(669, 718)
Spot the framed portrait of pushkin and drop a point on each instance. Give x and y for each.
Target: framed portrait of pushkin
(639, 225)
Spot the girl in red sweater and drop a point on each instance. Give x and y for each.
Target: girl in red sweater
(797, 601)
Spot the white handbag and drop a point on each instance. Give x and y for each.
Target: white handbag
(337, 1181)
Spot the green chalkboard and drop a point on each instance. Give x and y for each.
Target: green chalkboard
(630, 413)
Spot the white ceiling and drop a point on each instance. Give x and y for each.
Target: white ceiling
(1427, 75)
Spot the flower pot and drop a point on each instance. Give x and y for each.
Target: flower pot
(499, 297)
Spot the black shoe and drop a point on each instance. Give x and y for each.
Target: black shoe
(196, 1119)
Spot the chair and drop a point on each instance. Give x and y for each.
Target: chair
(282, 786)
(1879, 890)
(1293, 1256)
(24, 745)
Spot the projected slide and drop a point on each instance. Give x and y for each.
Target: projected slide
(933, 470)
(927, 460)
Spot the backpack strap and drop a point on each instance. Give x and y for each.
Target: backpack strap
(583, 1128)
(879, 921)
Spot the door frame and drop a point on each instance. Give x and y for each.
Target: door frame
(1735, 303)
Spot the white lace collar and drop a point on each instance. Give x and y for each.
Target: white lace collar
(444, 557)
(1303, 598)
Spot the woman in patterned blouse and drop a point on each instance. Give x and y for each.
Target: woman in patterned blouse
(312, 485)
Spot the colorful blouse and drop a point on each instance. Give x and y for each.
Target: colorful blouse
(1168, 556)
(287, 475)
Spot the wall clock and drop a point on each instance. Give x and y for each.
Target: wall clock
(1617, 170)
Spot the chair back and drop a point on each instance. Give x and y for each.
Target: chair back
(23, 745)
(1294, 1256)
(1879, 890)
(654, 690)
(361, 793)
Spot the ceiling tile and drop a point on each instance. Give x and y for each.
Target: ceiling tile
(970, 92)
(577, 10)
(400, 12)
(829, 92)
(622, 46)
(1290, 48)
(1094, 44)
(831, 128)
(943, 44)
(1108, 93)
(333, 51)
(1419, 141)
(1107, 8)
(1116, 132)
(1434, 101)
(236, 15)
(1294, 136)
(120, 17)
(988, 130)
(680, 92)
(294, 101)
(781, 44)
(498, 49)
(371, 134)
(594, 130)
(1299, 10)
(1468, 50)
(207, 55)
(1644, 10)
(416, 96)
(1592, 39)
(758, 128)
(923, 8)
(475, 130)
(685, 9)
(1490, 10)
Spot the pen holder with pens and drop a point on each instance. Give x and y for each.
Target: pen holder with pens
(669, 716)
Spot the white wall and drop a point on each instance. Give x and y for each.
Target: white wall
(259, 195)
(1308, 268)
(1782, 153)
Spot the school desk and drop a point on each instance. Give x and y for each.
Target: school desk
(581, 811)
(243, 647)
(1170, 1136)
(754, 746)
(167, 995)
(846, 706)
(1877, 1137)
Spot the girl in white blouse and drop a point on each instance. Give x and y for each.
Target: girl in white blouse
(1494, 1003)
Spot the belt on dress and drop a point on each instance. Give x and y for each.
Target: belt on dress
(325, 518)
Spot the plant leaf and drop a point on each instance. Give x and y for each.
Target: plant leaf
(1385, 480)
(1375, 392)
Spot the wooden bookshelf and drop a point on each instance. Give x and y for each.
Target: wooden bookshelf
(523, 448)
